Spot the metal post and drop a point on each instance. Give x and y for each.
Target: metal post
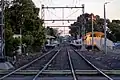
(92, 34)
(42, 12)
(83, 27)
(79, 31)
(63, 18)
(105, 38)
(3, 63)
(2, 31)
(21, 40)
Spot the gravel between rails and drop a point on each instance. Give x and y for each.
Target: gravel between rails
(60, 62)
(78, 62)
(97, 61)
(109, 61)
(22, 59)
(41, 63)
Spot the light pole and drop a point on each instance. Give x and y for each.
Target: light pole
(2, 30)
(92, 34)
(105, 25)
(3, 63)
(83, 28)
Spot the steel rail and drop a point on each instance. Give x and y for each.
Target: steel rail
(71, 66)
(26, 65)
(46, 65)
(108, 77)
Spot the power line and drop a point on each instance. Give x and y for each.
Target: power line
(53, 13)
(76, 2)
(73, 13)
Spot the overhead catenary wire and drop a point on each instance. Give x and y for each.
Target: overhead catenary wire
(74, 1)
(53, 13)
(73, 13)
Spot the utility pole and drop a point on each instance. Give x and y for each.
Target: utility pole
(92, 34)
(21, 39)
(2, 30)
(83, 28)
(105, 25)
(3, 63)
(63, 19)
(79, 31)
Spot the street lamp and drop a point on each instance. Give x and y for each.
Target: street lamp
(83, 28)
(105, 25)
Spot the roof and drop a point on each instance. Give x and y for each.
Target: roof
(96, 33)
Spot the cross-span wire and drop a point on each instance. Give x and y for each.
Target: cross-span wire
(73, 13)
(53, 13)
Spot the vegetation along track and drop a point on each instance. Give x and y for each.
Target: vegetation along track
(29, 65)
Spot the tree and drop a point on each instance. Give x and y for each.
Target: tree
(52, 31)
(22, 14)
(98, 26)
(115, 28)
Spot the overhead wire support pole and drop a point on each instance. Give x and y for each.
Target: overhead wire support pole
(42, 12)
(83, 28)
(4, 65)
(83, 22)
(92, 34)
(1, 30)
(63, 19)
(105, 38)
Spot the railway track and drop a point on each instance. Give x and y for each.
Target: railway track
(60, 62)
(71, 66)
(83, 70)
(75, 76)
(29, 65)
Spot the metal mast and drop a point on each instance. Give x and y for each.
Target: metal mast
(2, 41)
(43, 12)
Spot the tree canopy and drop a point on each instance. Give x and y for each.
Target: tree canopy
(52, 32)
(98, 26)
(22, 14)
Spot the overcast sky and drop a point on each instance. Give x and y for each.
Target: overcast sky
(91, 6)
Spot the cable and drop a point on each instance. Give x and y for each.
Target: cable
(76, 2)
(73, 13)
(75, 5)
(53, 13)
(73, 1)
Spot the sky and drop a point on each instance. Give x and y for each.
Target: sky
(91, 6)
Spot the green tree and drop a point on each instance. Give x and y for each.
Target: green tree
(98, 26)
(52, 32)
(23, 14)
(115, 28)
